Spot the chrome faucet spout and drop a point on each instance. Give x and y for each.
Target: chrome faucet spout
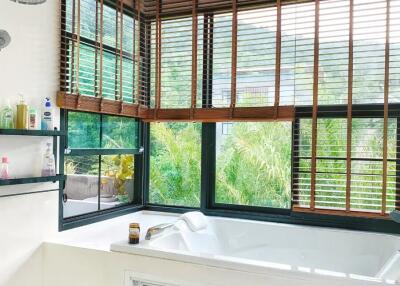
(158, 229)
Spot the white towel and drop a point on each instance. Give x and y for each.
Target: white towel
(195, 220)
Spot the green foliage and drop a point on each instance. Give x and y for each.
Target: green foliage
(175, 164)
(121, 169)
(84, 130)
(254, 165)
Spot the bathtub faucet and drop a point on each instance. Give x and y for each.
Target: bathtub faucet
(158, 229)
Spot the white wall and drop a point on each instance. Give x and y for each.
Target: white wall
(29, 65)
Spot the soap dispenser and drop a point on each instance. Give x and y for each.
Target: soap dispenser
(47, 115)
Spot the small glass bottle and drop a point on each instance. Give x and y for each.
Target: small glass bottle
(4, 174)
(7, 117)
(134, 233)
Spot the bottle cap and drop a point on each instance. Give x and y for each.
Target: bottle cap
(48, 103)
(4, 160)
(21, 98)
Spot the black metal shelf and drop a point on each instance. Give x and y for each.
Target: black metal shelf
(22, 132)
(32, 180)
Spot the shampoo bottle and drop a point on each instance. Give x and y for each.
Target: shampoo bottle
(47, 116)
(22, 114)
(7, 117)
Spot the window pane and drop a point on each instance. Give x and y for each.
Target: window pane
(256, 57)
(119, 132)
(82, 185)
(366, 164)
(109, 72)
(83, 130)
(253, 164)
(175, 161)
(222, 60)
(116, 185)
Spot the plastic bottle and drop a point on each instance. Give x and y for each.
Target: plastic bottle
(7, 117)
(47, 116)
(4, 174)
(49, 166)
(22, 114)
(33, 119)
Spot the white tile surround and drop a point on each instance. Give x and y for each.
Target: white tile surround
(29, 65)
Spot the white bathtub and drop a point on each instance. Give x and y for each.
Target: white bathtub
(267, 247)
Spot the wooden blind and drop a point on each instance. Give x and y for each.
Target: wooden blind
(332, 65)
(346, 144)
(102, 56)
(217, 66)
(176, 63)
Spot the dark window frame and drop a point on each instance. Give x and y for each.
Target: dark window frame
(135, 205)
(140, 179)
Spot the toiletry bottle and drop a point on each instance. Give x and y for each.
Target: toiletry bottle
(33, 119)
(49, 166)
(134, 233)
(4, 174)
(7, 117)
(22, 114)
(47, 116)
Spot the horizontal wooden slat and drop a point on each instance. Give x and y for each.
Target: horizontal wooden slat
(99, 105)
(172, 8)
(286, 113)
(96, 104)
(340, 213)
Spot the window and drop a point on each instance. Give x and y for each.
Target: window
(253, 164)
(366, 176)
(175, 162)
(176, 64)
(295, 106)
(100, 163)
(100, 51)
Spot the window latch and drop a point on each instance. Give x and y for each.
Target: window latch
(141, 149)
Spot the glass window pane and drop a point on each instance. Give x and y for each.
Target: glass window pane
(175, 162)
(83, 130)
(82, 185)
(116, 184)
(119, 132)
(253, 163)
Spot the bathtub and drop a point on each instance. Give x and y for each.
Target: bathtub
(273, 248)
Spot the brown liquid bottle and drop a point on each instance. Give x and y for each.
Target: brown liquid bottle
(22, 114)
(134, 233)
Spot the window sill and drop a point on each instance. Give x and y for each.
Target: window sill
(82, 220)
